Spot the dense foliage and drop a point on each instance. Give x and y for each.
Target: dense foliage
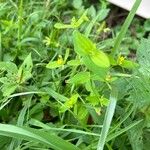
(73, 76)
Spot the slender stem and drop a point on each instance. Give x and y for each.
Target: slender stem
(20, 14)
(1, 52)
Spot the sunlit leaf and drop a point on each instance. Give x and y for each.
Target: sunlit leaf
(100, 59)
(82, 45)
(24, 72)
(80, 78)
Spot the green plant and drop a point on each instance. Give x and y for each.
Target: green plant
(71, 78)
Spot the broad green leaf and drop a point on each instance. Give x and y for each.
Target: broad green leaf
(53, 65)
(82, 114)
(69, 103)
(56, 64)
(9, 81)
(33, 135)
(93, 100)
(129, 64)
(100, 59)
(101, 72)
(9, 67)
(80, 78)
(82, 45)
(24, 72)
(9, 88)
(77, 4)
(74, 63)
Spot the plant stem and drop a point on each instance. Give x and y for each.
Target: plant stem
(20, 14)
(1, 52)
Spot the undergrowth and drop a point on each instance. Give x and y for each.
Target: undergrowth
(72, 80)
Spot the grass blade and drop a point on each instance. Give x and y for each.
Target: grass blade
(29, 134)
(125, 27)
(114, 135)
(108, 118)
(37, 123)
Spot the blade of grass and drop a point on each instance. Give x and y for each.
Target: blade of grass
(126, 116)
(48, 139)
(55, 95)
(108, 118)
(46, 127)
(21, 118)
(114, 135)
(1, 53)
(20, 14)
(8, 99)
(125, 27)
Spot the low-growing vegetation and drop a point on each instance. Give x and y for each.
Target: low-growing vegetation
(74, 75)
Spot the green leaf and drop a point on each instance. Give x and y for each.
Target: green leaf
(74, 63)
(33, 135)
(143, 56)
(140, 91)
(100, 59)
(62, 26)
(9, 88)
(101, 72)
(77, 4)
(69, 103)
(147, 25)
(24, 72)
(82, 113)
(93, 100)
(9, 81)
(129, 64)
(82, 45)
(80, 78)
(53, 65)
(9, 67)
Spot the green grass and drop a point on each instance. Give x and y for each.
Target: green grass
(71, 77)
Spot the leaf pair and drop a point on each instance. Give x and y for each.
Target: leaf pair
(86, 48)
